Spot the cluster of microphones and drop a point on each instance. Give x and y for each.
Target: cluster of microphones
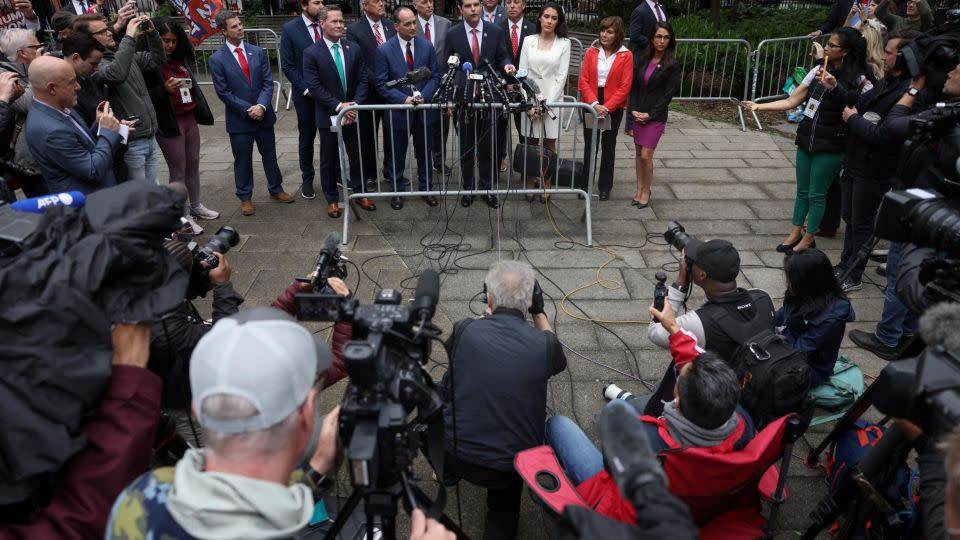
(484, 84)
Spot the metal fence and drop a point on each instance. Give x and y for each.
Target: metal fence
(560, 174)
(265, 38)
(774, 61)
(714, 70)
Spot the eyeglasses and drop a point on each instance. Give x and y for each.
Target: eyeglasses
(832, 46)
(667, 38)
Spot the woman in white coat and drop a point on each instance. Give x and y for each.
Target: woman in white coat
(546, 57)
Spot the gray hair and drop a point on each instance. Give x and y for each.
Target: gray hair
(510, 285)
(708, 391)
(13, 40)
(264, 442)
(223, 16)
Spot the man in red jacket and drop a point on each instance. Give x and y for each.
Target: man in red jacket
(119, 438)
(703, 414)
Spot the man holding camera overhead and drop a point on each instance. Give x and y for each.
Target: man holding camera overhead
(496, 390)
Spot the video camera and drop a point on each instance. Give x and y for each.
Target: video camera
(226, 238)
(321, 303)
(924, 389)
(933, 54)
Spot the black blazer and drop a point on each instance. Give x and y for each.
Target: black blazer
(654, 97)
(493, 47)
(360, 33)
(642, 22)
(526, 28)
(320, 76)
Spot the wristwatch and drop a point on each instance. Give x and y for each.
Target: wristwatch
(913, 91)
(321, 483)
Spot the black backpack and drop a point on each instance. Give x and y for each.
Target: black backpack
(774, 378)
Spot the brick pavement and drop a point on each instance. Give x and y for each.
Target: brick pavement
(718, 181)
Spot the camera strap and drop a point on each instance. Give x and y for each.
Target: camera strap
(434, 447)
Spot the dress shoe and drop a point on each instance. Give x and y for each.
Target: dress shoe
(825, 234)
(869, 341)
(604, 195)
(282, 197)
(492, 201)
(370, 186)
(366, 204)
(431, 200)
(466, 200)
(333, 210)
(396, 203)
(307, 191)
(882, 269)
(786, 248)
(879, 255)
(246, 207)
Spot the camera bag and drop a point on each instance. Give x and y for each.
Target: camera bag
(774, 378)
(533, 160)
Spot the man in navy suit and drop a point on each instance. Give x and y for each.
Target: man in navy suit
(335, 75)
(401, 54)
(297, 35)
(243, 81)
(493, 12)
(71, 156)
(516, 28)
(475, 40)
(643, 20)
(369, 31)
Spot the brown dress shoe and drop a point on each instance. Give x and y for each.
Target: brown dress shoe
(246, 207)
(366, 204)
(333, 210)
(283, 197)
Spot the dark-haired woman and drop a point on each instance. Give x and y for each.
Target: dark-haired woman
(821, 139)
(546, 57)
(815, 311)
(655, 81)
(180, 105)
(606, 75)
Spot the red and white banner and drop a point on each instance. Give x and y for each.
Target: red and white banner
(200, 15)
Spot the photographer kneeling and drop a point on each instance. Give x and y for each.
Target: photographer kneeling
(254, 380)
(496, 390)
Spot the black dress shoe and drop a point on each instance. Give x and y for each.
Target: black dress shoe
(870, 342)
(466, 200)
(787, 248)
(492, 201)
(431, 200)
(604, 195)
(396, 203)
(307, 191)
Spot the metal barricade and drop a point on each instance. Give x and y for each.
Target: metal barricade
(714, 70)
(774, 61)
(264, 38)
(471, 122)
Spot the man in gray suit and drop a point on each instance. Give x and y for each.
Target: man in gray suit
(434, 28)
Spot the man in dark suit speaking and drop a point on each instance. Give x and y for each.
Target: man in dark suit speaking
(335, 75)
(71, 156)
(475, 41)
(400, 55)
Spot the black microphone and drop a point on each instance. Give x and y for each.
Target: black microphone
(541, 101)
(418, 75)
(498, 83)
(427, 295)
(327, 252)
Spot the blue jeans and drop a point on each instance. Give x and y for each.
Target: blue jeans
(896, 320)
(575, 451)
(141, 159)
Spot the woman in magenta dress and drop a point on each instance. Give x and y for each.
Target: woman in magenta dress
(655, 81)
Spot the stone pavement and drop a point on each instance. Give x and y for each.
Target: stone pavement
(716, 180)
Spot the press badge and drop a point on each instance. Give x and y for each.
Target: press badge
(813, 105)
(185, 96)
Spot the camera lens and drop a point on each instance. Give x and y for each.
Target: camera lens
(936, 223)
(226, 238)
(676, 236)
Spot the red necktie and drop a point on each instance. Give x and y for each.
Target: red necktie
(244, 66)
(514, 40)
(476, 48)
(660, 17)
(376, 34)
(316, 33)
(409, 57)
(426, 32)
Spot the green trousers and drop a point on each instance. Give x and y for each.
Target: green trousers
(816, 171)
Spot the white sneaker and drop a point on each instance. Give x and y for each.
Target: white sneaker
(202, 212)
(197, 229)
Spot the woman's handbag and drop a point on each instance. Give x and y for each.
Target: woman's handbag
(533, 160)
(202, 110)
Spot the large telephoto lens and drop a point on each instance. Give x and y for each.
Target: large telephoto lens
(676, 236)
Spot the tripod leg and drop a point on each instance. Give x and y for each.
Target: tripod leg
(344, 515)
(424, 502)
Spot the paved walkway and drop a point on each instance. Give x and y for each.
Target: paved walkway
(716, 180)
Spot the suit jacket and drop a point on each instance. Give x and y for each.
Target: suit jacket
(69, 161)
(67, 5)
(239, 94)
(642, 22)
(527, 28)
(391, 64)
(499, 14)
(619, 79)
(361, 34)
(439, 35)
(654, 96)
(493, 47)
(321, 78)
(294, 39)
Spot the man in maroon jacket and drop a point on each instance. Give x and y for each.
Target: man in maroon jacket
(119, 439)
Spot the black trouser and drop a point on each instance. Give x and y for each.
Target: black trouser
(607, 143)
(369, 125)
(476, 146)
(504, 489)
(831, 213)
(860, 202)
(438, 139)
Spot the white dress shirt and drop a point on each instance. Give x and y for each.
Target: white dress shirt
(233, 52)
(310, 22)
(403, 47)
(433, 28)
(470, 35)
(380, 29)
(653, 8)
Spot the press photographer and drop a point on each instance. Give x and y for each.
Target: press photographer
(497, 390)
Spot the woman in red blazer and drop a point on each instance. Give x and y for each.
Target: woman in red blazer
(606, 74)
